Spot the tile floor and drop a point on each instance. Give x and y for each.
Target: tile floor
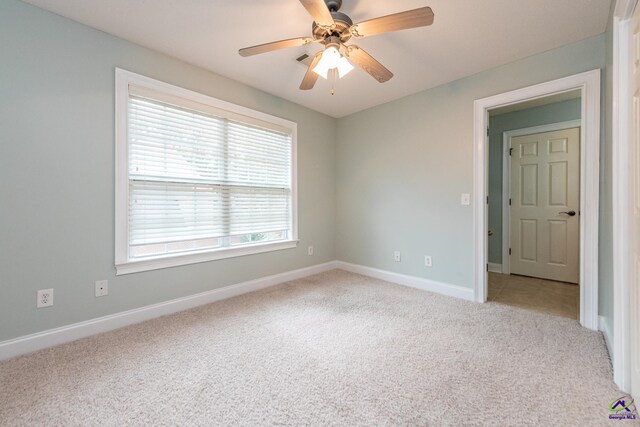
(557, 298)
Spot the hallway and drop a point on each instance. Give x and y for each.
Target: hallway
(557, 298)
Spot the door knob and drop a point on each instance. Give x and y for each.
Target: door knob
(570, 213)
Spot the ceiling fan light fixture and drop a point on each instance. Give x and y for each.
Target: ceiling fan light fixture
(322, 70)
(331, 58)
(344, 67)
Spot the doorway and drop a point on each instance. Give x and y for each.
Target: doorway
(534, 200)
(588, 86)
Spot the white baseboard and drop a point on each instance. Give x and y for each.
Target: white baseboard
(605, 327)
(52, 337)
(495, 267)
(412, 281)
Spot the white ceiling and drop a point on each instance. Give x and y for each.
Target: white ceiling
(468, 36)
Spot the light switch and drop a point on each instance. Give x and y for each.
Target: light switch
(465, 199)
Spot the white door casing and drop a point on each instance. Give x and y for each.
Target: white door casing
(545, 201)
(625, 163)
(634, 203)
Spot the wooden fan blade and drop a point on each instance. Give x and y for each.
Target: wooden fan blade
(319, 12)
(365, 61)
(311, 77)
(398, 21)
(268, 47)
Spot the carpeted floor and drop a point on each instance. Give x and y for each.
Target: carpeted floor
(332, 349)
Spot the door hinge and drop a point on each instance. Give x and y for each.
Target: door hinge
(487, 267)
(487, 130)
(509, 251)
(509, 201)
(510, 151)
(487, 199)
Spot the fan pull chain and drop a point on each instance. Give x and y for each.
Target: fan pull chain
(333, 81)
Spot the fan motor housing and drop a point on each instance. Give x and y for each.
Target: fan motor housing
(343, 23)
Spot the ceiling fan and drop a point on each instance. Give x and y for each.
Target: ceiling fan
(333, 29)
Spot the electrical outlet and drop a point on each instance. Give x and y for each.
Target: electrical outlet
(396, 256)
(45, 298)
(427, 261)
(102, 288)
(310, 250)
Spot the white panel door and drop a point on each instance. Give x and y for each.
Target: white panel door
(634, 203)
(545, 203)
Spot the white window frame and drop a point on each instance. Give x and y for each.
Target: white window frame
(125, 265)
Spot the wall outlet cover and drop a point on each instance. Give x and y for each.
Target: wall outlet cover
(45, 298)
(465, 199)
(102, 288)
(310, 250)
(396, 256)
(427, 261)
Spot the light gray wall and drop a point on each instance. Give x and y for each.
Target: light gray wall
(537, 116)
(402, 166)
(391, 180)
(57, 174)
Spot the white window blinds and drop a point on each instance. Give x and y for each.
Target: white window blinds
(202, 178)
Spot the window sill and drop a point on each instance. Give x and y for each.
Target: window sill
(193, 258)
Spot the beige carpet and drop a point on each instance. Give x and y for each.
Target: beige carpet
(332, 349)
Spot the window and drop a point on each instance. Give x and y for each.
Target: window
(197, 178)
